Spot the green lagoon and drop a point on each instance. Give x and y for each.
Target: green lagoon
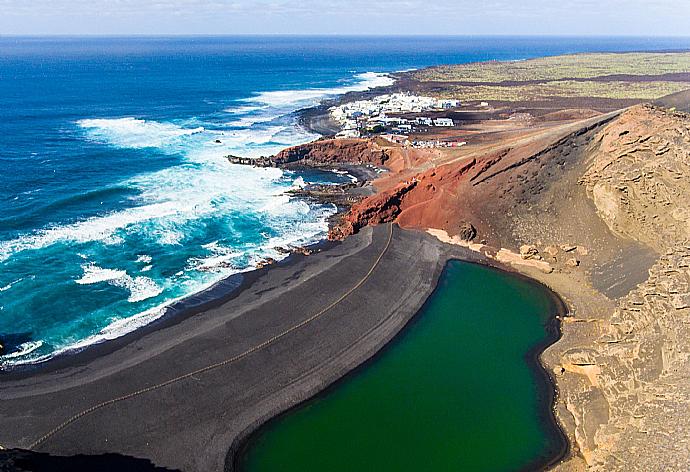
(458, 390)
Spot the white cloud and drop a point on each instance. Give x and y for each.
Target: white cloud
(634, 17)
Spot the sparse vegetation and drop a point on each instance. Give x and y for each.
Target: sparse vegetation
(608, 76)
(576, 66)
(564, 88)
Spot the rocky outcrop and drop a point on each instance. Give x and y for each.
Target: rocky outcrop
(639, 178)
(383, 207)
(320, 153)
(333, 152)
(420, 200)
(467, 231)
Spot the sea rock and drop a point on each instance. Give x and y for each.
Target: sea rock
(467, 232)
(302, 250)
(333, 151)
(266, 262)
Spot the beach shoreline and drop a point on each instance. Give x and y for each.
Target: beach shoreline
(366, 345)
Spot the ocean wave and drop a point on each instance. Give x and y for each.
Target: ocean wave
(12, 284)
(176, 195)
(94, 274)
(244, 109)
(100, 228)
(134, 133)
(140, 288)
(145, 258)
(23, 349)
(308, 97)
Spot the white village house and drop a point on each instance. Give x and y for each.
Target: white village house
(445, 122)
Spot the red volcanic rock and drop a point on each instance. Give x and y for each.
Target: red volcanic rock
(332, 152)
(383, 207)
(419, 202)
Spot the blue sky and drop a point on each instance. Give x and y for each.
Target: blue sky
(554, 17)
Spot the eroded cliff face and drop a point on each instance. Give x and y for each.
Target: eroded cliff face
(625, 379)
(638, 179)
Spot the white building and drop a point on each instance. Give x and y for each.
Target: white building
(377, 107)
(445, 122)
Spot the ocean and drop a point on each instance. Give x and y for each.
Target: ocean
(116, 198)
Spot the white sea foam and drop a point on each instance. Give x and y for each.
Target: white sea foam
(134, 133)
(220, 259)
(140, 288)
(249, 121)
(299, 183)
(244, 109)
(10, 285)
(145, 258)
(306, 97)
(24, 349)
(94, 274)
(101, 228)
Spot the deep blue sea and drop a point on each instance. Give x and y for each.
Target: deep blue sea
(115, 196)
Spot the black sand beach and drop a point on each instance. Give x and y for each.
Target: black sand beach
(369, 287)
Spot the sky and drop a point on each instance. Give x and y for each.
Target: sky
(352, 17)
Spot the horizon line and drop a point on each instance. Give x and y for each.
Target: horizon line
(332, 35)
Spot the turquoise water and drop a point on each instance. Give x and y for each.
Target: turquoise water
(458, 390)
(115, 196)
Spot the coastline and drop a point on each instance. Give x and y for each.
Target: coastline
(367, 341)
(234, 286)
(222, 290)
(212, 297)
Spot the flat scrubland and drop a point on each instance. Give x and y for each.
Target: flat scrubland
(643, 76)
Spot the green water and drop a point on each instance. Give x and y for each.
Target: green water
(456, 391)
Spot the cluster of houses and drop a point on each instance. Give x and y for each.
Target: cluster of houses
(372, 115)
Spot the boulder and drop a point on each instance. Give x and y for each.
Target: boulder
(528, 251)
(467, 232)
(572, 262)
